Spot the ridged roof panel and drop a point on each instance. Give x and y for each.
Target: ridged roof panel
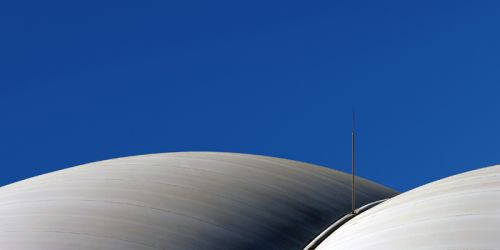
(196, 200)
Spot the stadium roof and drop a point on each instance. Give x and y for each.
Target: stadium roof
(179, 201)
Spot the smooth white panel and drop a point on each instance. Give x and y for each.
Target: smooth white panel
(459, 212)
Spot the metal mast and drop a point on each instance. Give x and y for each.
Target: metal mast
(352, 167)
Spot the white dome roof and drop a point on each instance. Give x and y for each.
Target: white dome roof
(178, 201)
(459, 212)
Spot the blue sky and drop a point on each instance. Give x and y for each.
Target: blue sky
(93, 80)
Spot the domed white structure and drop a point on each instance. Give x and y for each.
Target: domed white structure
(180, 201)
(459, 212)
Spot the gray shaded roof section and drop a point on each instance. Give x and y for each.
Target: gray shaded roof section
(458, 212)
(193, 200)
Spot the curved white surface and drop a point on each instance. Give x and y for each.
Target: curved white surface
(192, 200)
(459, 212)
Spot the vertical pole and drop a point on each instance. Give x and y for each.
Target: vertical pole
(352, 166)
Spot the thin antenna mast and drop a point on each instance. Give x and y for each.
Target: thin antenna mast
(352, 166)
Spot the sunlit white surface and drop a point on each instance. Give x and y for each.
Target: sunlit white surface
(459, 212)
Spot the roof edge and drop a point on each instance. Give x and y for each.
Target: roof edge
(338, 223)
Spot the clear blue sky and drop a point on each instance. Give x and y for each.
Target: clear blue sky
(93, 80)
